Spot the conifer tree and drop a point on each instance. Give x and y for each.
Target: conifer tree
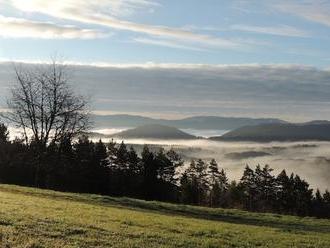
(122, 157)
(150, 173)
(248, 184)
(218, 183)
(283, 192)
(134, 164)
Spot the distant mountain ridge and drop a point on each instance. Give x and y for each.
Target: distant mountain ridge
(153, 131)
(196, 122)
(314, 130)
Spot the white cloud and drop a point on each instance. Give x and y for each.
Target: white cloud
(312, 10)
(204, 28)
(282, 30)
(104, 13)
(19, 28)
(282, 90)
(112, 7)
(166, 43)
(189, 66)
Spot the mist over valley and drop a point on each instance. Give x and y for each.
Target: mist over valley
(310, 159)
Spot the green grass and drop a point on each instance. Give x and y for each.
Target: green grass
(42, 218)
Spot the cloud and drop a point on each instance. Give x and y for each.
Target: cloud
(203, 28)
(103, 13)
(166, 43)
(282, 30)
(22, 28)
(312, 10)
(293, 92)
(113, 7)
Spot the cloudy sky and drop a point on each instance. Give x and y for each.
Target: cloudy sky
(186, 31)
(176, 58)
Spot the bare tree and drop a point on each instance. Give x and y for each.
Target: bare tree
(44, 106)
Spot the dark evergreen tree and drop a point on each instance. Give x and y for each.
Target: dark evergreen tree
(134, 163)
(122, 157)
(249, 187)
(326, 202)
(196, 175)
(265, 186)
(175, 162)
(4, 134)
(318, 204)
(303, 196)
(235, 195)
(112, 151)
(283, 191)
(84, 154)
(218, 183)
(150, 174)
(190, 186)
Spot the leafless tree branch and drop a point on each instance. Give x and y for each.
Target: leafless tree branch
(44, 105)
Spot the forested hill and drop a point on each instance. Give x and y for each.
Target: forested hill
(153, 131)
(316, 130)
(196, 122)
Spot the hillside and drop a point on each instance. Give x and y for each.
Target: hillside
(42, 218)
(196, 122)
(153, 131)
(279, 132)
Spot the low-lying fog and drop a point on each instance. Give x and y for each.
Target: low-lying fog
(310, 160)
(196, 132)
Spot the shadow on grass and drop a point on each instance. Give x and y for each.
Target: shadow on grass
(290, 224)
(285, 223)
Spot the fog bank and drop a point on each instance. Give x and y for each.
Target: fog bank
(310, 160)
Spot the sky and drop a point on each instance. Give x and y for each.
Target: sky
(181, 58)
(186, 31)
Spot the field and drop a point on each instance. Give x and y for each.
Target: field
(34, 218)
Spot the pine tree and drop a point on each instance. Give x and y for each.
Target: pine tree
(112, 151)
(164, 166)
(100, 154)
(122, 157)
(304, 196)
(248, 183)
(134, 164)
(326, 201)
(236, 196)
(84, 149)
(213, 172)
(201, 177)
(150, 174)
(194, 184)
(223, 180)
(326, 196)
(84, 154)
(265, 187)
(283, 192)
(188, 189)
(132, 176)
(318, 204)
(218, 184)
(175, 162)
(4, 151)
(4, 134)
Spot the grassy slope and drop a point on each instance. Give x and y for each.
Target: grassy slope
(41, 218)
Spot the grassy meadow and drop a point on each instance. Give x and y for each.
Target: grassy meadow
(32, 218)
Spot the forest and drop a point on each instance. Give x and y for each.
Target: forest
(81, 165)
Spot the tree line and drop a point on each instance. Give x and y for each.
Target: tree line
(118, 170)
